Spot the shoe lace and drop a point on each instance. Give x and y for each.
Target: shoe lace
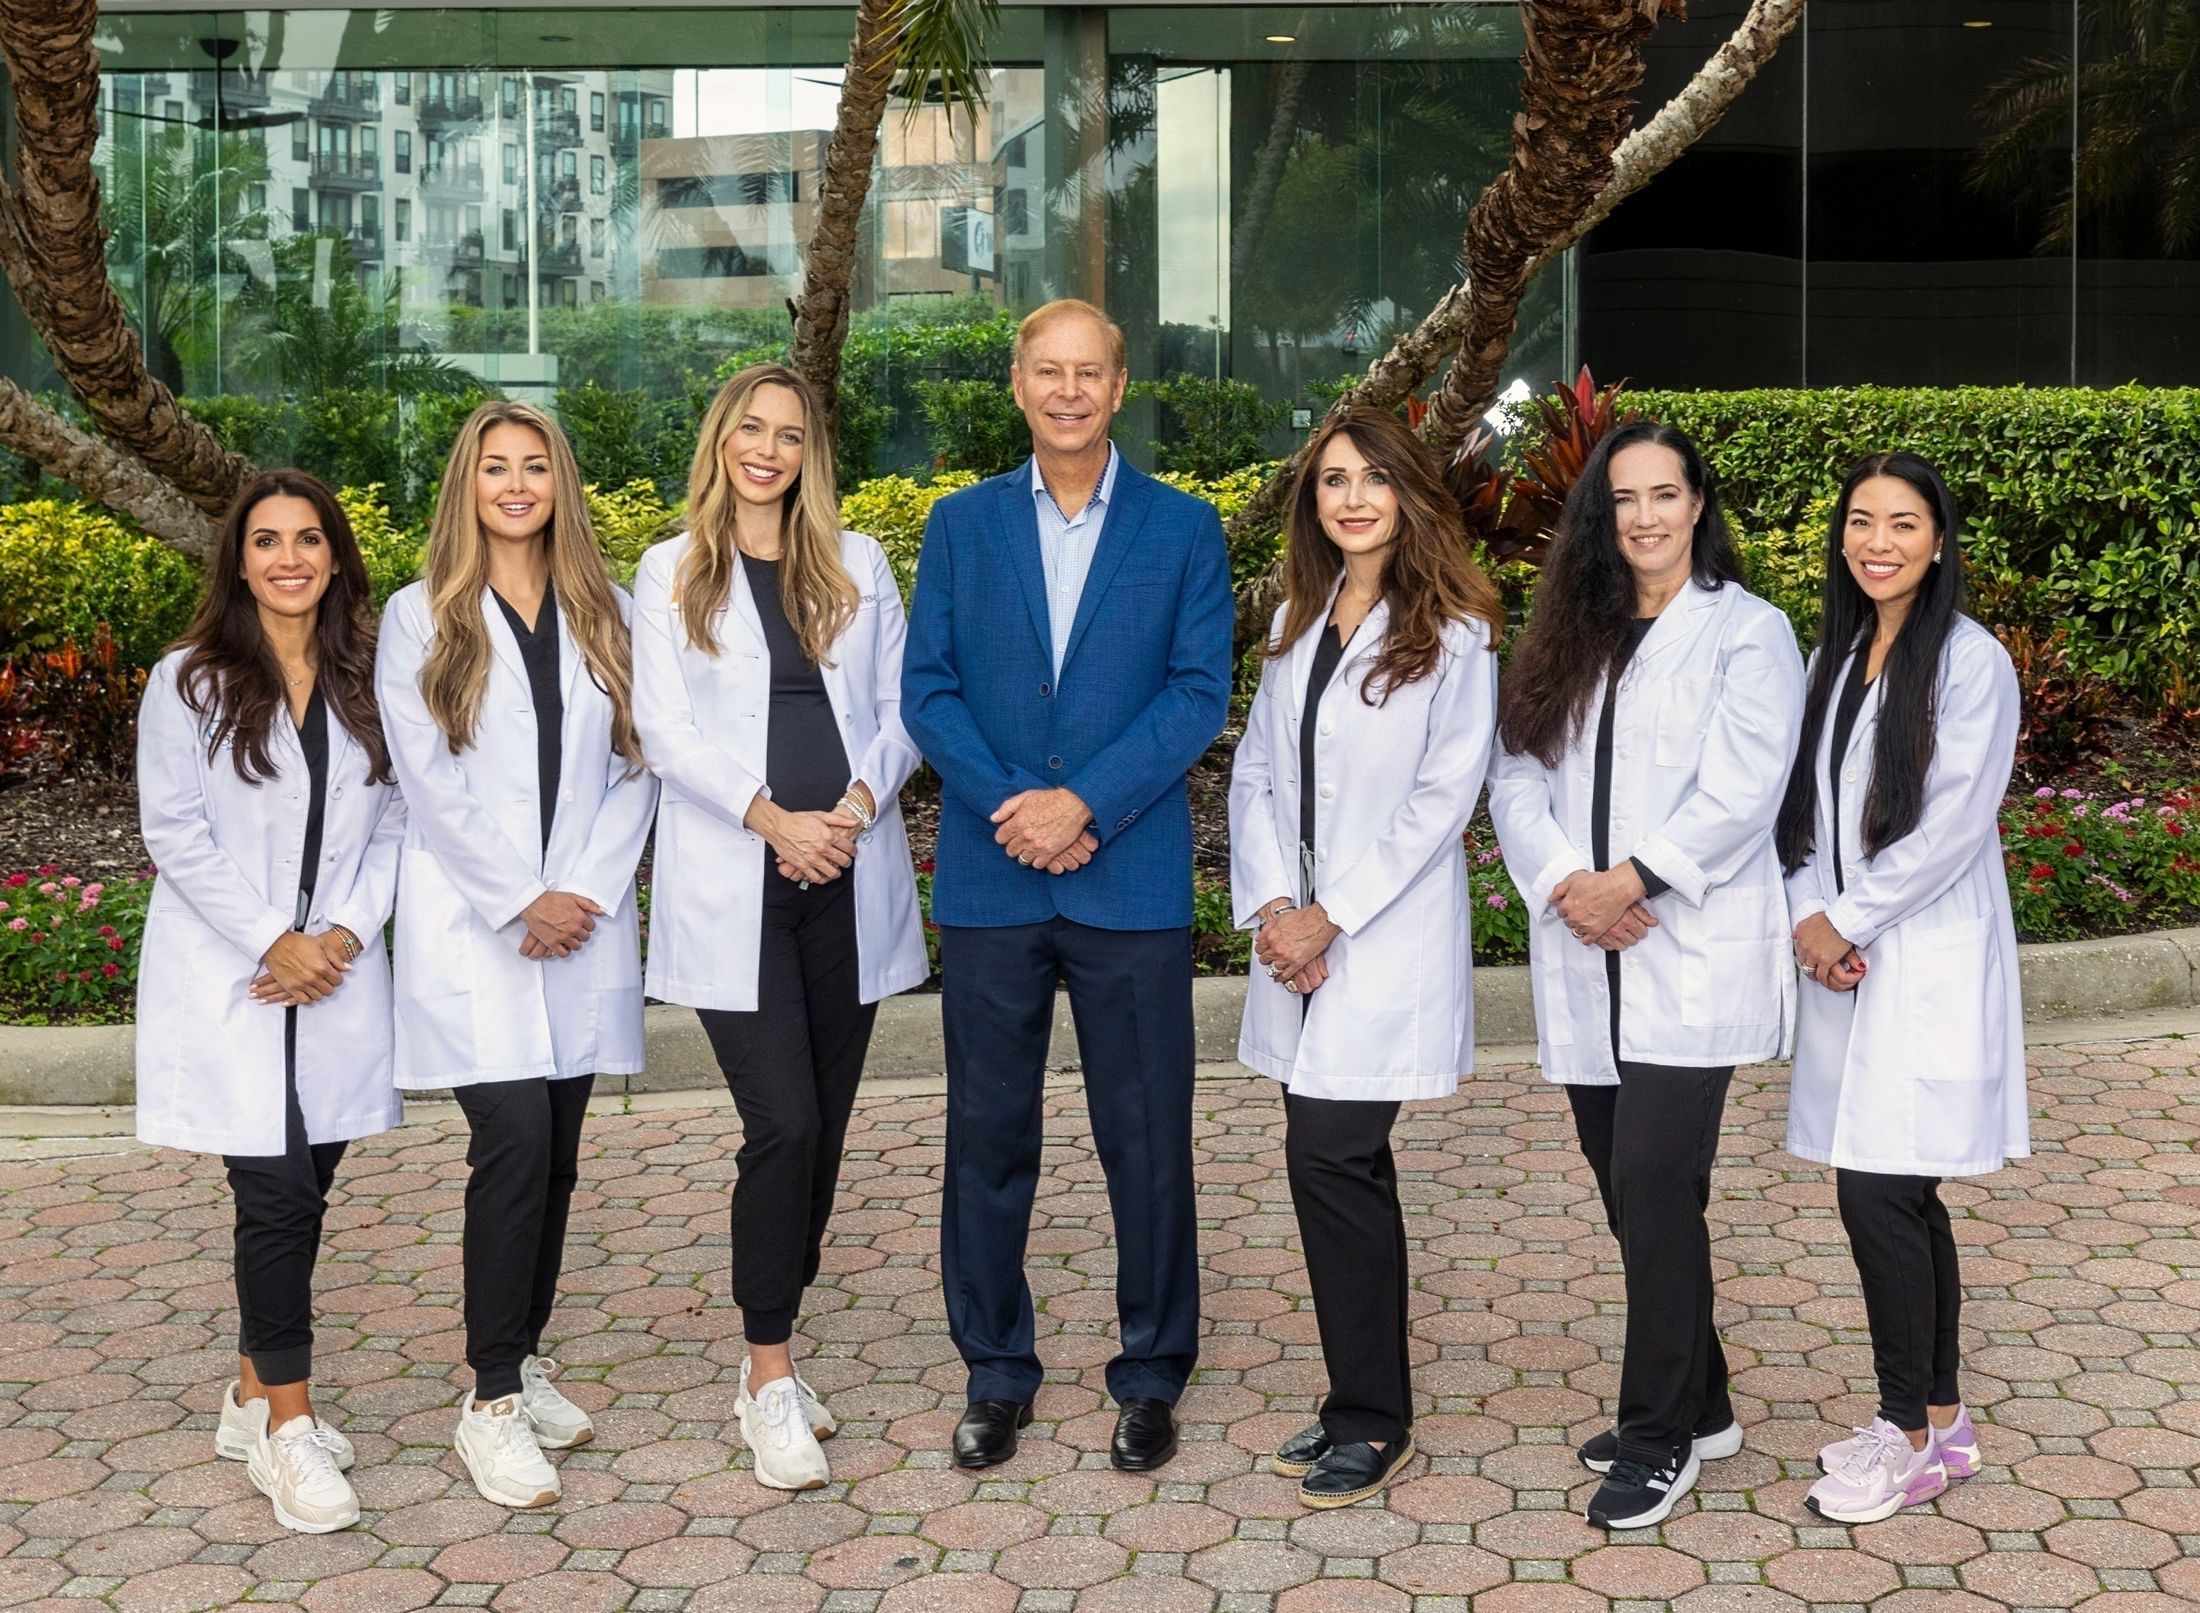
(310, 1454)
(1876, 1446)
(782, 1406)
(513, 1436)
(327, 1439)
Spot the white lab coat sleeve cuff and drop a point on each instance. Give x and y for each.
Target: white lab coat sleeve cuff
(1804, 896)
(1847, 915)
(264, 936)
(1538, 893)
(1680, 872)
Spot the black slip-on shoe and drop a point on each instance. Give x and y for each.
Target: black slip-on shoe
(1347, 1473)
(1145, 1434)
(1600, 1451)
(1300, 1452)
(986, 1436)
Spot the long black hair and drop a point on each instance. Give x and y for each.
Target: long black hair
(1903, 753)
(1577, 631)
(229, 674)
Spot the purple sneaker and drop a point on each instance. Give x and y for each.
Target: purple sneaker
(1878, 1478)
(1957, 1446)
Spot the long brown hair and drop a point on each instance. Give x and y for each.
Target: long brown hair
(229, 674)
(1576, 635)
(1429, 576)
(815, 590)
(456, 672)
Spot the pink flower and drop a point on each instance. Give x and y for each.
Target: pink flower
(46, 889)
(115, 943)
(2073, 795)
(3, 907)
(61, 974)
(95, 888)
(88, 903)
(2044, 793)
(19, 924)
(1497, 900)
(72, 882)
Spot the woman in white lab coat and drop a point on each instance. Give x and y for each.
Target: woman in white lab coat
(1362, 758)
(767, 687)
(1649, 717)
(504, 678)
(265, 795)
(1909, 1058)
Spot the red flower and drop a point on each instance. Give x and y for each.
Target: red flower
(2042, 871)
(2072, 849)
(61, 974)
(110, 970)
(84, 974)
(17, 881)
(107, 930)
(2176, 831)
(114, 943)
(37, 937)
(925, 867)
(49, 868)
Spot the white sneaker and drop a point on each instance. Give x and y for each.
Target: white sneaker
(558, 1423)
(239, 1431)
(498, 1446)
(297, 1472)
(822, 1423)
(776, 1427)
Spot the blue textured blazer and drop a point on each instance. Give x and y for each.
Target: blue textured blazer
(1144, 690)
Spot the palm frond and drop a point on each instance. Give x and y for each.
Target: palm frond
(943, 51)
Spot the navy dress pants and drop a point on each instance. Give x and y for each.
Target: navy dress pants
(1130, 992)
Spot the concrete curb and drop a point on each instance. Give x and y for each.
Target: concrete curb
(2092, 980)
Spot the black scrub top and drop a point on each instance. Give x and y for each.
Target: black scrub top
(313, 739)
(1600, 806)
(805, 764)
(1328, 651)
(538, 653)
(1845, 713)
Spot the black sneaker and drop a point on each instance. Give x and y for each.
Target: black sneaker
(1635, 1495)
(1300, 1452)
(1349, 1473)
(1600, 1451)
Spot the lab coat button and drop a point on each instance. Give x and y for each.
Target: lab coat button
(1328, 790)
(1322, 855)
(1849, 777)
(1329, 727)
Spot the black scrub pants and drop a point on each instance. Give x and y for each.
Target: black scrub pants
(792, 1066)
(524, 1158)
(1344, 1189)
(281, 1199)
(1651, 1142)
(1913, 1294)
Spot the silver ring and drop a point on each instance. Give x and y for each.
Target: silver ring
(1026, 861)
(802, 884)
(1274, 973)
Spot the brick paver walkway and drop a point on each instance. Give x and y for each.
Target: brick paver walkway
(115, 1338)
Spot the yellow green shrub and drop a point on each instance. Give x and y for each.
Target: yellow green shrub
(66, 567)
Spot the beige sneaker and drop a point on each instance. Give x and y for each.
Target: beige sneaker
(295, 1471)
(557, 1422)
(776, 1429)
(498, 1446)
(822, 1423)
(238, 1432)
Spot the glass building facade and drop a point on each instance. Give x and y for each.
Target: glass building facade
(1915, 192)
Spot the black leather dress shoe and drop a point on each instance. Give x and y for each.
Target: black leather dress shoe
(1300, 1452)
(986, 1436)
(1349, 1473)
(1145, 1434)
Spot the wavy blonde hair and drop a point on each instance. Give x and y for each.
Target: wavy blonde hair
(815, 590)
(456, 672)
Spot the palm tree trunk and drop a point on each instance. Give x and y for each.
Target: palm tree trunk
(53, 251)
(118, 481)
(821, 312)
(1641, 157)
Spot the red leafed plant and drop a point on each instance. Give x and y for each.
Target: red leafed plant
(1514, 514)
(69, 710)
(2064, 710)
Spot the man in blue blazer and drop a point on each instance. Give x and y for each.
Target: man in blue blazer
(1068, 661)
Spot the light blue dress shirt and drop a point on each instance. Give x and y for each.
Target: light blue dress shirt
(1066, 548)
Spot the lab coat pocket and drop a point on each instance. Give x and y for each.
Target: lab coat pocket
(1944, 1013)
(435, 954)
(1684, 712)
(1730, 966)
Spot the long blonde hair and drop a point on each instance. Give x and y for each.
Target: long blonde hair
(456, 672)
(815, 590)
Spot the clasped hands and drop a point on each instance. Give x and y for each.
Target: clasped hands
(1605, 910)
(1826, 955)
(1046, 829)
(811, 847)
(303, 968)
(1292, 944)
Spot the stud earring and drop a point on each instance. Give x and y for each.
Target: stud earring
(1936, 557)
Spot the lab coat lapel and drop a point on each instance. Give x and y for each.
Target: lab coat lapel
(1681, 620)
(741, 608)
(500, 636)
(1867, 716)
(571, 666)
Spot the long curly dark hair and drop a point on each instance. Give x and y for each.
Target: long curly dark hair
(229, 673)
(1902, 754)
(1576, 636)
(1429, 575)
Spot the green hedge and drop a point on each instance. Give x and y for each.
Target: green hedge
(2081, 508)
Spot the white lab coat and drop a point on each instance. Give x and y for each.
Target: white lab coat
(1395, 785)
(1703, 733)
(209, 1059)
(704, 721)
(470, 1008)
(1920, 1070)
